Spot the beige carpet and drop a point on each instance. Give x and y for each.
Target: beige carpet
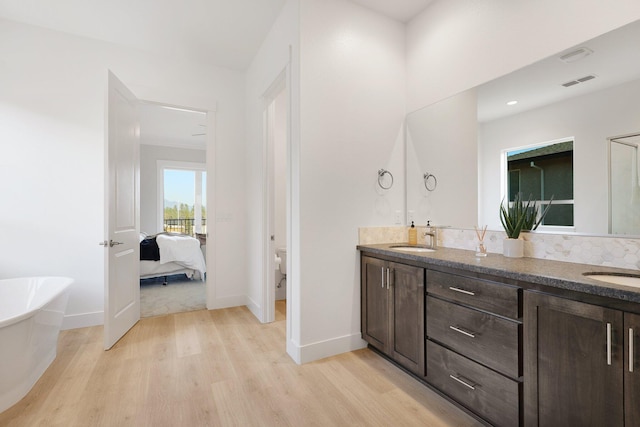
(178, 296)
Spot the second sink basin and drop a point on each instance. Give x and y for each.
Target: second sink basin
(409, 248)
(616, 279)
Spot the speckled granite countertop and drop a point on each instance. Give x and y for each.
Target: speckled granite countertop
(556, 274)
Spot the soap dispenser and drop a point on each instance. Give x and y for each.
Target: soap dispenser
(413, 234)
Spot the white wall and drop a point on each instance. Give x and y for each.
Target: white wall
(590, 119)
(348, 97)
(456, 45)
(52, 109)
(278, 54)
(442, 140)
(149, 156)
(352, 72)
(352, 107)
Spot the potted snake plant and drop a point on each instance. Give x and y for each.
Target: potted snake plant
(517, 217)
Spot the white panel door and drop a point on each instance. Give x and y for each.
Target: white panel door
(122, 274)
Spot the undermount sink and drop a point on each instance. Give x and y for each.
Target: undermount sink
(616, 279)
(412, 248)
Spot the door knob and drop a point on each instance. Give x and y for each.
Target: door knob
(110, 243)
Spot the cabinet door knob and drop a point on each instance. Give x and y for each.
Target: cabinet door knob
(630, 349)
(608, 343)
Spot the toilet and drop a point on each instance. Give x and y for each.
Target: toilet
(282, 254)
(281, 274)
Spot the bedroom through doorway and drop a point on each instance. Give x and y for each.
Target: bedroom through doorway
(173, 209)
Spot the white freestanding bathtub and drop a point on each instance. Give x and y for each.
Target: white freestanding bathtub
(31, 312)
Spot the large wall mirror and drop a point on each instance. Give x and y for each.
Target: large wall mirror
(588, 95)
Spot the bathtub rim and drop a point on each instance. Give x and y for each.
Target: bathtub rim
(66, 283)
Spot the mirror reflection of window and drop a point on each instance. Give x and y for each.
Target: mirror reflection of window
(543, 172)
(514, 183)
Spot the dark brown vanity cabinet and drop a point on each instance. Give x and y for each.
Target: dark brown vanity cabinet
(393, 310)
(474, 344)
(632, 369)
(581, 363)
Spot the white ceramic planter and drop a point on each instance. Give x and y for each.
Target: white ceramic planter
(513, 248)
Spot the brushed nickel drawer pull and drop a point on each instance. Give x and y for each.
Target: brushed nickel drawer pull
(387, 278)
(462, 291)
(464, 383)
(608, 343)
(382, 277)
(457, 329)
(630, 350)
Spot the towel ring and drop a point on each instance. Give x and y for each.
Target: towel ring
(381, 174)
(430, 181)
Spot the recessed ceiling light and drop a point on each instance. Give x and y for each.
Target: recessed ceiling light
(576, 55)
(512, 102)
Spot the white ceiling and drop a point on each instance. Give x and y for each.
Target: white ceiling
(400, 10)
(228, 33)
(170, 127)
(615, 60)
(225, 33)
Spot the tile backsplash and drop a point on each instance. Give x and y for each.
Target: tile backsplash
(595, 250)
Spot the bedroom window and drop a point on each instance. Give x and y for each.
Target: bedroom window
(182, 188)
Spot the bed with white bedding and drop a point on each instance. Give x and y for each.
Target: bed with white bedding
(166, 254)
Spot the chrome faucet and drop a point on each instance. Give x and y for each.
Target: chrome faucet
(432, 234)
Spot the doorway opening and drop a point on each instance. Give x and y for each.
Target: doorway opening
(277, 201)
(173, 209)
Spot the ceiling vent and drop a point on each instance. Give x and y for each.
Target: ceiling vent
(575, 55)
(586, 78)
(580, 80)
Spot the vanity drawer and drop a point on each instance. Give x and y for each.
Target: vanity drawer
(485, 392)
(495, 297)
(488, 339)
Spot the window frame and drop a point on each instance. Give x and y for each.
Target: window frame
(505, 182)
(163, 165)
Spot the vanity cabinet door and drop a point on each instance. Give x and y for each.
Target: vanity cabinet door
(573, 357)
(407, 323)
(375, 303)
(632, 369)
(392, 310)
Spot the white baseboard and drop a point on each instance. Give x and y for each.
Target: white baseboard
(84, 320)
(254, 308)
(321, 349)
(225, 302)
(293, 350)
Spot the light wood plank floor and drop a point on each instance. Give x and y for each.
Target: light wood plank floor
(220, 368)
